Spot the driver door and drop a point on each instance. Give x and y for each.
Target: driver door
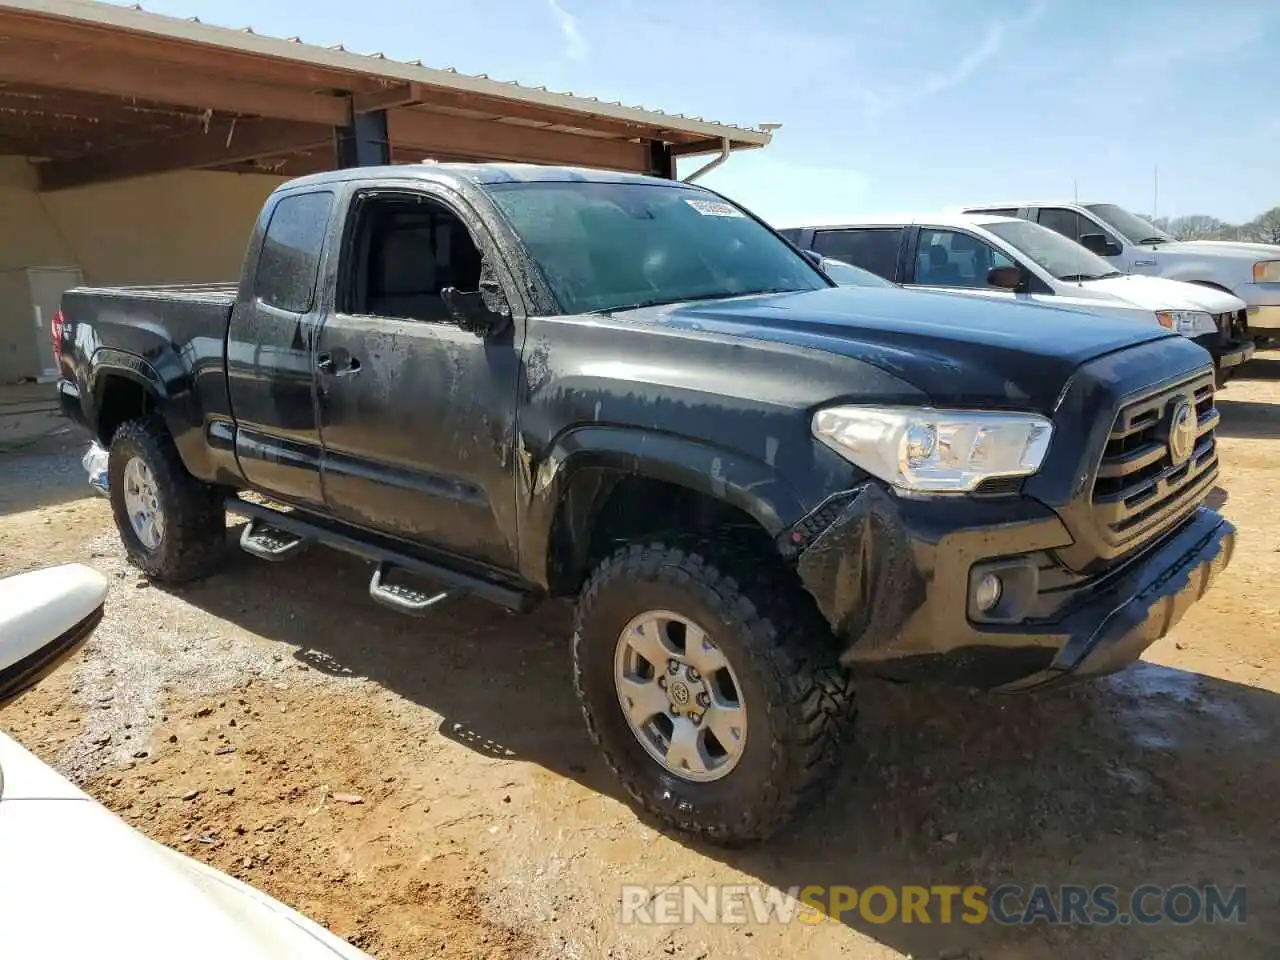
(417, 415)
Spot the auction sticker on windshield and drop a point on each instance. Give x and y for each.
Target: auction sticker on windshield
(715, 208)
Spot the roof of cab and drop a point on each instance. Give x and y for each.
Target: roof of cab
(477, 173)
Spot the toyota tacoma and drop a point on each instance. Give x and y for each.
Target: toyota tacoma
(518, 383)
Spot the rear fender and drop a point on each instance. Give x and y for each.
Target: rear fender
(168, 397)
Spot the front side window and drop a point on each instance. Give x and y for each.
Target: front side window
(403, 251)
(1133, 228)
(950, 258)
(290, 257)
(1063, 258)
(1070, 224)
(614, 246)
(871, 248)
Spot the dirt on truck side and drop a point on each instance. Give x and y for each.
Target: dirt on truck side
(425, 787)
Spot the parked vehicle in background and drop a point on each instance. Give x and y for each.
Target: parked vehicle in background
(520, 382)
(847, 275)
(74, 874)
(1008, 258)
(1250, 271)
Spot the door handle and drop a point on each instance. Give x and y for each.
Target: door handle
(1144, 263)
(326, 364)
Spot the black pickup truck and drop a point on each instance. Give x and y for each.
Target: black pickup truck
(518, 383)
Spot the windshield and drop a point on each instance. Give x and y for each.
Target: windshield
(611, 246)
(846, 274)
(1132, 228)
(1063, 258)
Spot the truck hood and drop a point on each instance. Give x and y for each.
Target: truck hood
(956, 350)
(77, 881)
(1158, 293)
(1225, 249)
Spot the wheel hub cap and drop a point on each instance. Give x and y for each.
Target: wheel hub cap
(680, 696)
(142, 503)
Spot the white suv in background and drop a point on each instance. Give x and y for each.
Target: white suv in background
(1010, 258)
(1251, 271)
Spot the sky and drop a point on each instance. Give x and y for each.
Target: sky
(884, 106)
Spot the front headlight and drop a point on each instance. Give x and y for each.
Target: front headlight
(935, 451)
(1266, 271)
(1189, 323)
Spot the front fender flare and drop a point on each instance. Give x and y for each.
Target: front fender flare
(745, 482)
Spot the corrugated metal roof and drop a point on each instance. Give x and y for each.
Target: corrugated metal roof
(377, 65)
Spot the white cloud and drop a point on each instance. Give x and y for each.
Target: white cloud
(575, 44)
(880, 101)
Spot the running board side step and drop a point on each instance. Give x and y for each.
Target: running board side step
(388, 555)
(401, 598)
(270, 543)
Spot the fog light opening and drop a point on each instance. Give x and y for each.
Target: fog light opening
(987, 594)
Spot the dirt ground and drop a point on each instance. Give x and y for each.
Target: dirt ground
(238, 719)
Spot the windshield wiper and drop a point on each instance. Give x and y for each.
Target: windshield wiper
(1081, 277)
(1155, 240)
(718, 295)
(662, 302)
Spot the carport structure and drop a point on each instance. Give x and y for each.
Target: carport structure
(94, 93)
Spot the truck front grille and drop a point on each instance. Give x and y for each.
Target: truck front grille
(1140, 490)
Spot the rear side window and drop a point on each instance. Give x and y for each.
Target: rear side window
(290, 257)
(874, 249)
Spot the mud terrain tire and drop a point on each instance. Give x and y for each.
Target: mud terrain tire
(193, 540)
(799, 703)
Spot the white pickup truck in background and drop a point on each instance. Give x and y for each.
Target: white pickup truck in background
(1251, 271)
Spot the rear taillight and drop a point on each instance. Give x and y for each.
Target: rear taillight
(55, 328)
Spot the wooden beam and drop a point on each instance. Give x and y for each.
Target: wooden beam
(434, 98)
(698, 146)
(401, 95)
(167, 84)
(439, 132)
(226, 142)
(61, 105)
(118, 43)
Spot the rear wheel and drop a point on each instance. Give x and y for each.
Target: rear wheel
(717, 700)
(172, 525)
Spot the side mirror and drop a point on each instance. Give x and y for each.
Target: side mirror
(484, 312)
(1100, 244)
(45, 617)
(1006, 278)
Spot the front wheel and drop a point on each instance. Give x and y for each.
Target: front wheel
(172, 525)
(717, 701)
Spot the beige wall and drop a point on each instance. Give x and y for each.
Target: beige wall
(173, 228)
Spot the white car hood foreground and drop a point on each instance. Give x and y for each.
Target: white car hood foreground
(77, 881)
(1157, 293)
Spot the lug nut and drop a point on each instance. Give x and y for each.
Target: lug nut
(704, 701)
(662, 682)
(696, 717)
(694, 675)
(673, 667)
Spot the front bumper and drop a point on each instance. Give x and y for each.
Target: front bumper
(893, 578)
(1264, 319)
(1227, 356)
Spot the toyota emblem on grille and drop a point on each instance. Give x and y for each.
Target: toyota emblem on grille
(1182, 431)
